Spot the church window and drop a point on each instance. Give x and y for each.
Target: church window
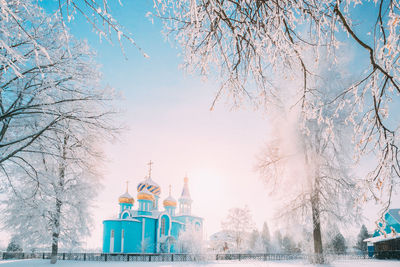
(112, 233)
(163, 226)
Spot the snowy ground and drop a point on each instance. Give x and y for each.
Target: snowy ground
(342, 263)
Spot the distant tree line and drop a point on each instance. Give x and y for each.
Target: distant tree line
(239, 235)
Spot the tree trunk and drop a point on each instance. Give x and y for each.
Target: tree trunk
(56, 232)
(319, 257)
(57, 214)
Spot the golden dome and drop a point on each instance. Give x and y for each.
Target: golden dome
(169, 201)
(126, 198)
(145, 195)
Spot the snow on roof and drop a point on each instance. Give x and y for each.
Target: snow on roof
(126, 194)
(177, 222)
(382, 238)
(170, 198)
(127, 219)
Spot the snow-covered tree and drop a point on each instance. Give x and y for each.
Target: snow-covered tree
(53, 115)
(47, 78)
(266, 238)
(289, 245)
(239, 222)
(305, 162)
(255, 242)
(338, 244)
(14, 246)
(278, 241)
(95, 12)
(191, 240)
(361, 245)
(249, 43)
(145, 245)
(54, 208)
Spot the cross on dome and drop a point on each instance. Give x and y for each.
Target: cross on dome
(150, 163)
(148, 183)
(127, 182)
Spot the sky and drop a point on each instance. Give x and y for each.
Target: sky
(168, 121)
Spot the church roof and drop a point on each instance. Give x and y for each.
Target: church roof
(395, 213)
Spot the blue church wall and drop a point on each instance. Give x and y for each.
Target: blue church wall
(145, 207)
(150, 235)
(125, 206)
(109, 226)
(176, 228)
(187, 219)
(132, 236)
(170, 210)
(132, 233)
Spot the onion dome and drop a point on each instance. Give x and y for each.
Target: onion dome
(126, 198)
(149, 184)
(169, 201)
(145, 194)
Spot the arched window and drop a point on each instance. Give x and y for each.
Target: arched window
(163, 226)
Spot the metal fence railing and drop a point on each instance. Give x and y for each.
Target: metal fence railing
(160, 257)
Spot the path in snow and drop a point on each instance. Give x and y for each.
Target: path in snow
(342, 263)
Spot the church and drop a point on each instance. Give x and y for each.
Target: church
(148, 229)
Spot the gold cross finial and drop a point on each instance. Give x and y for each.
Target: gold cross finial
(127, 182)
(169, 189)
(150, 163)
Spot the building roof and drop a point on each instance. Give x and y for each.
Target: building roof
(395, 213)
(382, 238)
(185, 191)
(187, 215)
(123, 220)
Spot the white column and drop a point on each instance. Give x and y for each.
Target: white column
(112, 242)
(143, 229)
(122, 241)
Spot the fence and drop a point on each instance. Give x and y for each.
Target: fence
(189, 257)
